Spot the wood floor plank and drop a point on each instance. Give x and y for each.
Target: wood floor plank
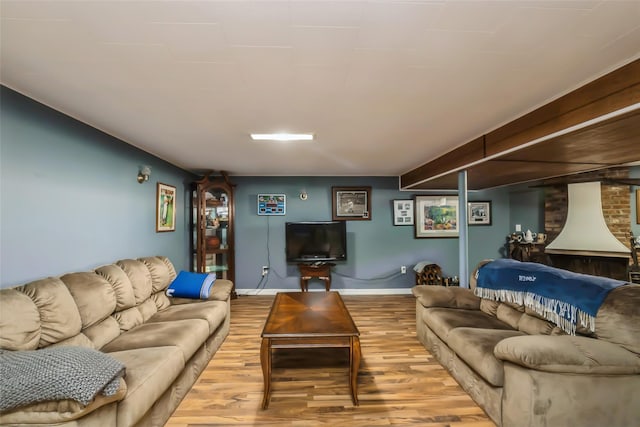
(399, 384)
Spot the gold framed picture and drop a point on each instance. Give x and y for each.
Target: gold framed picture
(436, 216)
(165, 208)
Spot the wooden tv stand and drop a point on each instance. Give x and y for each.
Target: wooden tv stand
(320, 271)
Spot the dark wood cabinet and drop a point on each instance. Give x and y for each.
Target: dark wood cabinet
(320, 271)
(212, 215)
(528, 252)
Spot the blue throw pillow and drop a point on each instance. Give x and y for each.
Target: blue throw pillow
(191, 285)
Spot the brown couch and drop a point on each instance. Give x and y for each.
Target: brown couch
(525, 371)
(121, 310)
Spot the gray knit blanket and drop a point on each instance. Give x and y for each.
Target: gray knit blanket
(59, 373)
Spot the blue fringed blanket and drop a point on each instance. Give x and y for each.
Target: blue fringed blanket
(561, 296)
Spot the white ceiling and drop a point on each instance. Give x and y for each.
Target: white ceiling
(384, 85)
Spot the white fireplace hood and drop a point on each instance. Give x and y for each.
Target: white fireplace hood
(585, 231)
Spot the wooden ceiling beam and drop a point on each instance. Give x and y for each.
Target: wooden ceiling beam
(608, 94)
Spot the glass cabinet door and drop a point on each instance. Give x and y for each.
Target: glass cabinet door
(212, 222)
(216, 225)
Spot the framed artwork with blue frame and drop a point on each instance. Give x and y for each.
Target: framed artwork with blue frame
(272, 204)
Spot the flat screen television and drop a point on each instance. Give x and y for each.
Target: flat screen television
(316, 241)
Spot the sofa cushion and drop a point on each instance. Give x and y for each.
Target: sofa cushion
(19, 321)
(147, 309)
(535, 326)
(129, 318)
(139, 276)
(121, 285)
(489, 306)
(161, 300)
(508, 315)
(103, 332)
(150, 372)
(449, 296)
(161, 274)
(93, 295)
(618, 319)
(187, 335)
(443, 320)
(568, 354)
(475, 346)
(59, 316)
(214, 312)
(59, 411)
(80, 340)
(220, 292)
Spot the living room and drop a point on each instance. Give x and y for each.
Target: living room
(71, 200)
(67, 186)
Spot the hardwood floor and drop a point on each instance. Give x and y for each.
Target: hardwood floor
(400, 383)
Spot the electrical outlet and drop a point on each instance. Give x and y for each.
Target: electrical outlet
(518, 228)
(265, 270)
(403, 269)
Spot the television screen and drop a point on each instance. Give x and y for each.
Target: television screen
(316, 241)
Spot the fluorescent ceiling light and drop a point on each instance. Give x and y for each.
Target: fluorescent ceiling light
(282, 136)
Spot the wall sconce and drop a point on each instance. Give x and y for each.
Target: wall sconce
(143, 175)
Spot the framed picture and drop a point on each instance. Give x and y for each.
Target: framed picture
(436, 216)
(351, 203)
(479, 213)
(403, 212)
(165, 208)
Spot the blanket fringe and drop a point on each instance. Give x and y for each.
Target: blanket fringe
(562, 314)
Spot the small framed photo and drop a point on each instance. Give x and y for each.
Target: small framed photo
(436, 216)
(479, 213)
(403, 212)
(351, 203)
(165, 208)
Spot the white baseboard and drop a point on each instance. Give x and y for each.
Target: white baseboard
(388, 291)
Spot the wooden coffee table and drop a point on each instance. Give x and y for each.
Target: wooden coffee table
(309, 320)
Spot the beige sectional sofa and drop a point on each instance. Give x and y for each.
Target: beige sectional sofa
(121, 310)
(524, 371)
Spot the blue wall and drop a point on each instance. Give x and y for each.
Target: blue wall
(69, 201)
(376, 248)
(69, 198)
(526, 207)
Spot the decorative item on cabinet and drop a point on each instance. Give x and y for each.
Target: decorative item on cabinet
(212, 237)
(528, 247)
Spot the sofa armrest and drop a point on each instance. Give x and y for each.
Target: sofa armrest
(446, 296)
(220, 291)
(568, 354)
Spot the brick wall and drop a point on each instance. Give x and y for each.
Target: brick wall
(616, 206)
